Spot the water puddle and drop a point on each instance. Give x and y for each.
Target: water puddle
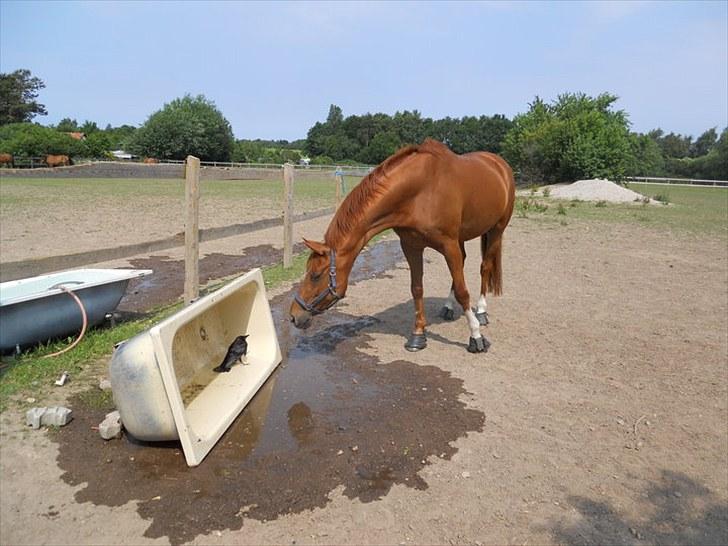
(330, 415)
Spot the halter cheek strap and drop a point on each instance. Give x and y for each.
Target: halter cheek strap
(330, 291)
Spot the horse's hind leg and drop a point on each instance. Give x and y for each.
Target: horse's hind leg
(491, 244)
(454, 257)
(417, 341)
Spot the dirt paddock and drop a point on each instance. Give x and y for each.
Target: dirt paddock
(597, 417)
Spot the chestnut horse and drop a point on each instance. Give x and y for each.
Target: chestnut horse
(431, 197)
(58, 160)
(7, 159)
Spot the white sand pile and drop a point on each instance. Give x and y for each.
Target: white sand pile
(595, 190)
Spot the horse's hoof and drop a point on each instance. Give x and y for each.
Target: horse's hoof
(482, 317)
(447, 313)
(478, 345)
(416, 342)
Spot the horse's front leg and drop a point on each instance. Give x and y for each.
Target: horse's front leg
(455, 260)
(417, 341)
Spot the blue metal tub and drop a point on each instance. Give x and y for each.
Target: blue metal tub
(34, 310)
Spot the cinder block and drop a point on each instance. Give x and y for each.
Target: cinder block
(109, 429)
(34, 416)
(56, 416)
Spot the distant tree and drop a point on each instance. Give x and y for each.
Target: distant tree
(381, 147)
(646, 157)
(97, 144)
(18, 91)
(574, 137)
(704, 143)
(88, 127)
(675, 145)
(67, 125)
(33, 140)
(119, 137)
(188, 125)
(711, 166)
(247, 151)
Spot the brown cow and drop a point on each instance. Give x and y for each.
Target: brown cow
(7, 159)
(58, 160)
(150, 160)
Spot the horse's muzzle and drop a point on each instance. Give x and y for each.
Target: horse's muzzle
(301, 321)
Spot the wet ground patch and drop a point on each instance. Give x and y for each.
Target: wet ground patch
(166, 284)
(331, 415)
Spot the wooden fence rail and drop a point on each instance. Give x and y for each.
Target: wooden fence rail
(676, 181)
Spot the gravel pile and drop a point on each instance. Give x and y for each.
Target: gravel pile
(595, 190)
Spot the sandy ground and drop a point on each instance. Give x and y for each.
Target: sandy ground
(598, 416)
(71, 223)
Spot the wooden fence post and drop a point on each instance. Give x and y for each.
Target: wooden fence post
(192, 224)
(288, 179)
(339, 186)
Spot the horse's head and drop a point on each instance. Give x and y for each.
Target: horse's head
(319, 289)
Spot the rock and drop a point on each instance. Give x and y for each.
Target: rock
(105, 385)
(56, 416)
(109, 430)
(33, 417)
(110, 427)
(465, 474)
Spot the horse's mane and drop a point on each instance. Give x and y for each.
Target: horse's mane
(372, 186)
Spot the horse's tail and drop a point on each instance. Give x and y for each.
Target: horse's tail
(491, 272)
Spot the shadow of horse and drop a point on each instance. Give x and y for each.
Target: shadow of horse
(681, 511)
(336, 325)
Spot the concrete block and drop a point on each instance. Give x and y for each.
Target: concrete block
(57, 416)
(33, 417)
(110, 429)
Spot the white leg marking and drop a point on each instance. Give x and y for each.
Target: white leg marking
(450, 302)
(473, 324)
(482, 307)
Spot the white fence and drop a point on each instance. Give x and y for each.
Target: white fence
(677, 181)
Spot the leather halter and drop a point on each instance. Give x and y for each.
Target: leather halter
(330, 290)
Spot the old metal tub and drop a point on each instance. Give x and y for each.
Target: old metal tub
(36, 309)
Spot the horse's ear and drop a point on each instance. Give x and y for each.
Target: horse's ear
(318, 248)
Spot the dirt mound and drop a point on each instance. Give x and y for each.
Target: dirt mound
(596, 190)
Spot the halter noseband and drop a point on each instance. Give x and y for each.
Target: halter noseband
(330, 290)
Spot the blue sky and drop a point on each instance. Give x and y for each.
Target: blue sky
(274, 68)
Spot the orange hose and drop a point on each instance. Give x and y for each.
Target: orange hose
(83, 327)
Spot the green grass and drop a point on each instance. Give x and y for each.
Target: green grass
(691, 210)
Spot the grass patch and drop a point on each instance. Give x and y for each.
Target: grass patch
(97, 399)
(525, 205)
(693, 210)
(561, 210)
(31, 373)
(663, 198)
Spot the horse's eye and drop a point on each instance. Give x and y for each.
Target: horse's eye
(315, 276)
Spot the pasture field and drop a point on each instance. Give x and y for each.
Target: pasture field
(49, 217)
(689, 210)
(597, 417)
